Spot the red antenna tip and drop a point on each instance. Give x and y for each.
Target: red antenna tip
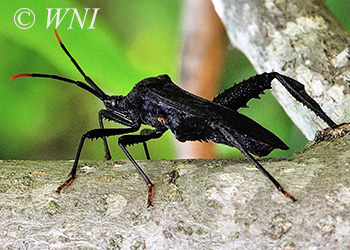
(20, 75)
(57, 36)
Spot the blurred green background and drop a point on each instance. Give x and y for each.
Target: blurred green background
(132, 40)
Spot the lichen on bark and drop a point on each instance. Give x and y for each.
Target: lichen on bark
(301, 39)
(198, 204)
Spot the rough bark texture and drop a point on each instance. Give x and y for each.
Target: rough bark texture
(299, 38)
(198, 204)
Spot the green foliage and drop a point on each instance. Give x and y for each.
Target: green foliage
(44, 119)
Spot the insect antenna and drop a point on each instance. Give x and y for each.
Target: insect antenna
(87, 79)
(94, 89)
(63, 79)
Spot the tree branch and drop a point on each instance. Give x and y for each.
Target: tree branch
(198, 204)
(298, 38)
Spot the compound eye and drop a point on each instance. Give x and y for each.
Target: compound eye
(113, 103)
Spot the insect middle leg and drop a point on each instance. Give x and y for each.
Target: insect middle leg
(127, 140)
(264, 171)
(236, 142)
(146, 131)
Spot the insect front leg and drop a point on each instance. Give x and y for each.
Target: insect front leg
(127, 140)
(92, 134)
(105, 114)
(101, 116)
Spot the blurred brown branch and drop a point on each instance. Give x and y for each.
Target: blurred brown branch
(203, 54)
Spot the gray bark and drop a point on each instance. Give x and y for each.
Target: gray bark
(198, 204)
(299, 38)
(206, 204)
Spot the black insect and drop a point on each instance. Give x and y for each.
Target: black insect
(158, 102)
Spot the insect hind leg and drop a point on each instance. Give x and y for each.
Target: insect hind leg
(297, 90)
(239, 94)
